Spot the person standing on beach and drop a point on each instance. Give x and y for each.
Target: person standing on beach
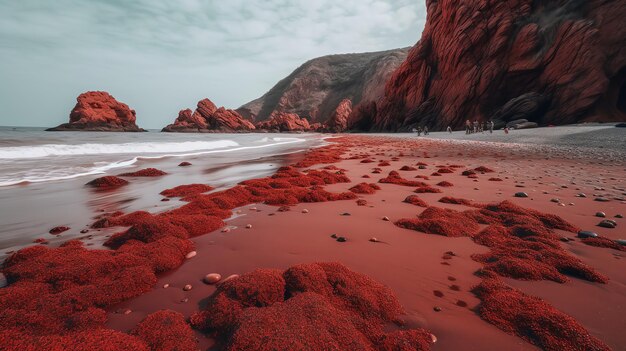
(425, 130)
(468, 126)
(475, 126)
(491, 125)
(449, 130)
(419, 131)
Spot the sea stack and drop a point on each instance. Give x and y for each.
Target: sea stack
(284, 122)
(209, 118)
(99, 111)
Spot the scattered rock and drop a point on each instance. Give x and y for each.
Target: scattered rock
(248, 226)
(587, 234)
(374, 240)
(619, 216)
(521, 194)
(555, 200)
(581, 195)
(386, 219)
(84, 231)
(212, 278)
(621, 242)
(607, 223)
(187, 287)
(601, 199)
(342, 239)
(345, 214)
(305, 211)
(437, 309)
(184, 164)
(58, 230)
(165, 286)
(191, 254)
(600, 214)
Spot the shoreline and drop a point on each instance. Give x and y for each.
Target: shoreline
(413, 280)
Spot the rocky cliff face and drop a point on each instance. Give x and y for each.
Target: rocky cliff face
(339, 120)
(99, 111)
(315, 89)
(209, 118)
(548, 61)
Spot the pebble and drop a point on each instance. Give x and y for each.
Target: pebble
(587, 234)
(191, 254)
(232, 276)
(248, 226)
(128, 311)
(305, 211)
(437, 309)
(621, 242)
(555, 200)
(521, 194)
(342, 239)
(346, 214)
(187, 287)
(581, 195)
(600, 214)
(566, 239)
(212, 278)
(334, 236)
(607, 223)
(184, 300)
(84, 231)
(619, 216)
(386, 219)
(165, 286)
(421, 167)
(601, 199)
(374, 240)
(225, 230)
(3, 280)
(433, 338)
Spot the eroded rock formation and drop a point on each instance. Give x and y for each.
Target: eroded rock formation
(550, 62)
(99, 111)
(209, 118)
(284, 122)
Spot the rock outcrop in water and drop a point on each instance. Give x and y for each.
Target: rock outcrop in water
(209, 118)
(339, 120)
(315, 89)
(284, 122)
(99, 111)
(550, 62)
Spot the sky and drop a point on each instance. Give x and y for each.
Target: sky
(161, 56)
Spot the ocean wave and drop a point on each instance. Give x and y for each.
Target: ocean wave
(40, 151)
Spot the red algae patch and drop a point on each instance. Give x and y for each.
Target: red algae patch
(166, 330)
(443, 170)
(365, 188)
(408, 168)
(184, 164)
(483, 169)
(58, 230)
(495, 179)
(395, 178)
(415, 200)
(107, 182)
(446, 222)
(307, 307)
(445, 184)
(186, 190)
(532, 319)
(426, 189)
(603, 242)
(146, 172)
(455, 201)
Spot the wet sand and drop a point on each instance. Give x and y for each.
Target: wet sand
(411, 263)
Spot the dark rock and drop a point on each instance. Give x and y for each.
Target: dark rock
(342, 239)
(607, 223)
(587, 234)
(521, 194)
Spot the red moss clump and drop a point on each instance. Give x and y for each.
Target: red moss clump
(495, 179)
(365, 188)
(384, 164)
(415, 200)
(435, 174)
(603, 242)
(107, 182)
(446, 222)
(421, 177)
(445, 170)
(426, 189)
(483, 169)
(361, 202)
(97, 339)
(147, 172)
(184, 164)
(408, 168)
(187, 190)
(309, 306)
(326, 154)
(368, 160)
(395, 178)
(166, 330)
(445, 184)
(468, 172)
(532, 319)
(58, 230)
(455, 201)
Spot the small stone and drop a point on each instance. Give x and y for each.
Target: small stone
(561, 204)
(84, 231)
(165, 286)
(191, 254)
(58, 230)
(437, 309)
(601, 199)
(305, 211)
(607, 223)
(252, 208)
(433, 338)
(342, 239)
(230, 277)
(587, 234)
(621, 242)
(600, 214)
(581, 195)
(564, 239)
(386, 219)
(248, 226)
(212, 278)
(3, 280)
(187, 287)
(184, 300)
(346, 214)
(128, 311)
(334, 236)
(555, 200)
(521, 194)
(421, 167)
(619, 216)
(374, 240)
(225, 230)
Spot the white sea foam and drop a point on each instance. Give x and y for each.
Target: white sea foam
(40, 151)
(141, 150)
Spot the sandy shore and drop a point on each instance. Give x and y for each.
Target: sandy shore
(431, 275)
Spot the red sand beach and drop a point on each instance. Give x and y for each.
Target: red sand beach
(470, 263)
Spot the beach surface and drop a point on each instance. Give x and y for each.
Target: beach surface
(563, 171)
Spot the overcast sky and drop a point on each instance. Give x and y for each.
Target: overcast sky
(160, 56)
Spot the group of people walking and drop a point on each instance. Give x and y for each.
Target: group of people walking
(477, 127)
(421, 130)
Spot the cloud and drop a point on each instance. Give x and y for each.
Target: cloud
(161, 56)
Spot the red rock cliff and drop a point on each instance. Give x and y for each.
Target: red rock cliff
(552, 62)
(99, 111)
(209, 118)
(284, 122)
